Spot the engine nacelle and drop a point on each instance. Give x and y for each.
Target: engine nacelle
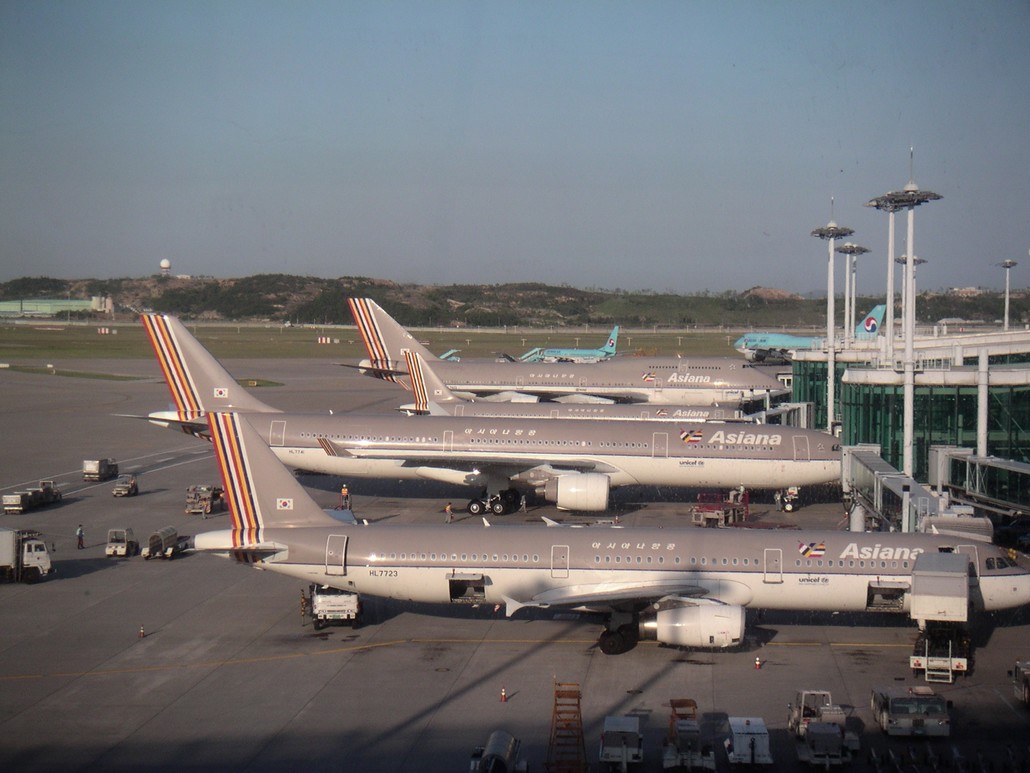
(710, 626)
(578, 491)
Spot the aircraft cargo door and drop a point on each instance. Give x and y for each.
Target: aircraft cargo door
(773, 566)
(560, 561)
(336, 555)
(801, 451)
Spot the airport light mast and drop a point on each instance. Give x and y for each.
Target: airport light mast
(1007, 265)
(830, 233)
(850, 291)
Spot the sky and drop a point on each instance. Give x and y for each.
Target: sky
(669, 146)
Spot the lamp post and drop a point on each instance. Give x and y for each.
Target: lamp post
(830, 233)
(850, 285)
(908, 198)
(1007, 265)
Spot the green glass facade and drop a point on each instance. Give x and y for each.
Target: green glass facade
(944, 415)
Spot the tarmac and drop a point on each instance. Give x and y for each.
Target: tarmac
(228, 675)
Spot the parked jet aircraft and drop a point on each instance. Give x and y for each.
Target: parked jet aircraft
(574, 355)
(432, 396)
(680, 586)
(571, 463)
(780, 347)
(682, 380)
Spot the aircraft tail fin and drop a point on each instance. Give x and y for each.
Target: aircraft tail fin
(197, 381)
(426, 386)
(870, 324)
(261, 492)
(384, 338)
(612, 342)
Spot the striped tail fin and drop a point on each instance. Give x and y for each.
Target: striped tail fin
(384, 338)
(197, 381)
(426, 386)
(262, 493)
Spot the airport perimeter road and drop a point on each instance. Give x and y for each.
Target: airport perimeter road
(229, 676)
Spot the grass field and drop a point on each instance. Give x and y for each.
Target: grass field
(30, 343)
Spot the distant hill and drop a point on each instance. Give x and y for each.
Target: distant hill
(299, 299)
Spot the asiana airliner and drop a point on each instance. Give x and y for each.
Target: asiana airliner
(681, 380)
(681, 586)
(571, 463)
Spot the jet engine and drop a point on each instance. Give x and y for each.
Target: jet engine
(705, 625)
(578, 491)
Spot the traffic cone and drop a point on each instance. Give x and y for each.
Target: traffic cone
(758, 663)
(504, 695)
(142, 633)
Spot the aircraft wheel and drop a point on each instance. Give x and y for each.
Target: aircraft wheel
(498, 508)
(616, 642)
(475, 507)
(789, 507)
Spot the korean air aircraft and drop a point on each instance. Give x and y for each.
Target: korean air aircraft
(779, 347)
(575, 355)
(681, 586)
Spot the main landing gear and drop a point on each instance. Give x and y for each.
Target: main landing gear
(506, 501)
(620, 635)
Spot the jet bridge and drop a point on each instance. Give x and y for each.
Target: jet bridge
(898, 502)
(991, 483)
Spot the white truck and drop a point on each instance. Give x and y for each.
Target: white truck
(99, 469)
(165, 543)
(121, 542)
(332, 605)
(748, 742)
(939, 603)
(622, 744)
(900, 710)
(1020, 674)
(23, 556)
(46, 493)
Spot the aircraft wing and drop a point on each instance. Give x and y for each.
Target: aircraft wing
(609, 595)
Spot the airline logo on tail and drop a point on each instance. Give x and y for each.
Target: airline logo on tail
(871, 324)
(177, 375)
(247, 519)
(418, 381)
(372, 336)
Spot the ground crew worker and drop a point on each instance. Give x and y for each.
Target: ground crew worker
(345, 497)
(448, 513)
(80, 535)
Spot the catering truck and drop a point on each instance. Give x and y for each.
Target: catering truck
(23, 555)
(332, 605)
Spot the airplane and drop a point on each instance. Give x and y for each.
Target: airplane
(780, 347)
(572, 463)
(433, 397)
(574, 355)
(682, 586)
(680, 380)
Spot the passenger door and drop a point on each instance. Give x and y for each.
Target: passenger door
(336, 555)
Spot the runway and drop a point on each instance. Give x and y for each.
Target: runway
(229, 676)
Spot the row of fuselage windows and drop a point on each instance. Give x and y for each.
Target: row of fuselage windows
(648, 560)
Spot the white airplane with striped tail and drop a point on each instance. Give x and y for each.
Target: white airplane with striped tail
(432, 396)
(678, 380)
(574, 464)
(682, 586)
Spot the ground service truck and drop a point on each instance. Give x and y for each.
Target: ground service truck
(910, 711)
(165, 543)
(99, 469)
(46, 493)
(23, 556)
(332, 605)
